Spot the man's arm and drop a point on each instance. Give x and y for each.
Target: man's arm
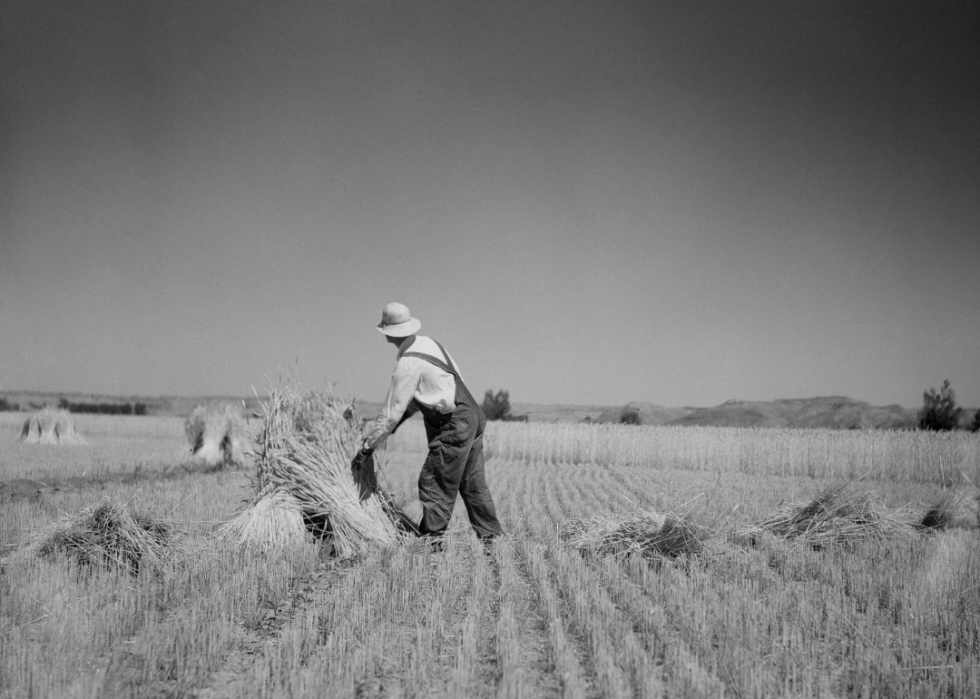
(404, 382)
(409, 412)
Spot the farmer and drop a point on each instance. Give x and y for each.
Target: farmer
(426, 380)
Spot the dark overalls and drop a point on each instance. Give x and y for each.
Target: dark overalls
(455, 461)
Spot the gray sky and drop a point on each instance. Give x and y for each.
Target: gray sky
(585, 202)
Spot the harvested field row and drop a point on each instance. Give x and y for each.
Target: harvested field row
(540, 617)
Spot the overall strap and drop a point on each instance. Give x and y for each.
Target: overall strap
(446, 366)
(432, 360)
(446, 355)
(463, 394)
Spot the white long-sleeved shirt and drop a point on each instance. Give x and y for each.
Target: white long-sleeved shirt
(418, 379)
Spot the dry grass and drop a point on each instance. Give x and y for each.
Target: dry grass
(50, 426)
(107, 534)
(649, 534)
(217, 435)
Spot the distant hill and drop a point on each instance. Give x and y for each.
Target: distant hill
(647, 413)
(837, 412)
(539, 412)
(966, 417)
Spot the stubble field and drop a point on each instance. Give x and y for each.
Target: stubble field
(535, 618)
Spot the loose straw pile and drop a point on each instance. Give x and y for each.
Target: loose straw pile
(107, 534)
(838, 514)
(650, 534)
(955, 509)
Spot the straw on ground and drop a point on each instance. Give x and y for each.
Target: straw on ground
(649, 534)
(840, 513)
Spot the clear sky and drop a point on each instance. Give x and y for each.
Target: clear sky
(675, 202)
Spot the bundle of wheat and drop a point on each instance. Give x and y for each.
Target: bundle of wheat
(216, 434)
(107, 534)
(273, 521)
(50, 426)
(649, 535)
(838, 514)
(303, 453)
(956, 509)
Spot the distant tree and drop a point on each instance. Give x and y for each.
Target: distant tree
(630, 417)
(496, 406)
(975, 425)
(939, 410)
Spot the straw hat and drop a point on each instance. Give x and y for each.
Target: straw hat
(396, 321)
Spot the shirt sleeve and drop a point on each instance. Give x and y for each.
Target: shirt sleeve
(404, 383)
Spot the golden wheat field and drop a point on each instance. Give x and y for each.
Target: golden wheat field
(898, 617)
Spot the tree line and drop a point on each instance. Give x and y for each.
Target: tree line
(940, 412)
(103, 408)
